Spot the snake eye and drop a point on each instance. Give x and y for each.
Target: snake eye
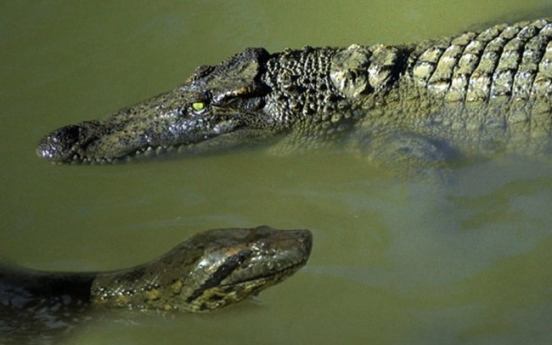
(198, 107)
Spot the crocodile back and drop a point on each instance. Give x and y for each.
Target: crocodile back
(504, 62)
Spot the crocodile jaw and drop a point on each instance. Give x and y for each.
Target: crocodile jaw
(108, 141)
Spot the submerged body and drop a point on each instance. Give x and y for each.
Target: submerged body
(474, 93)
(207, 272)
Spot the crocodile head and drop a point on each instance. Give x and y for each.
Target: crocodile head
(217, 107)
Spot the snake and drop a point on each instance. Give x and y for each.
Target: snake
(207, 272)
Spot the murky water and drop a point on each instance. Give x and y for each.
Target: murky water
(394, 261)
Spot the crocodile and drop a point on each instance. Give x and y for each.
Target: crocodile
(476, 93)
(209, 271)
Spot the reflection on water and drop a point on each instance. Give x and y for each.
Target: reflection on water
(393, 261)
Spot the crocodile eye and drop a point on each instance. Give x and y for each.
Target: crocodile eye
(198, 107)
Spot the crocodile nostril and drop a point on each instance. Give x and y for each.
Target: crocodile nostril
(59, 144)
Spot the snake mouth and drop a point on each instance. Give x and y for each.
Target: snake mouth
(251, 270)
(226, 294)
(268, 279)
(274, 276)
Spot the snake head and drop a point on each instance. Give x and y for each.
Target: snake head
(239, 263)
(209, 271)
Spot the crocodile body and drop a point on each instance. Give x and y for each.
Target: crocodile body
(207, 272)
(474, 93)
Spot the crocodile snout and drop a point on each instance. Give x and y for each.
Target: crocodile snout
(66, 142)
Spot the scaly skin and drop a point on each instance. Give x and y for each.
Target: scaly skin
(475, 93)
(207, 272)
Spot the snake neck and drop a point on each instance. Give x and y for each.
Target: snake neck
(20, 287)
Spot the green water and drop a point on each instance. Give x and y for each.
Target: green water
(394, 262)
